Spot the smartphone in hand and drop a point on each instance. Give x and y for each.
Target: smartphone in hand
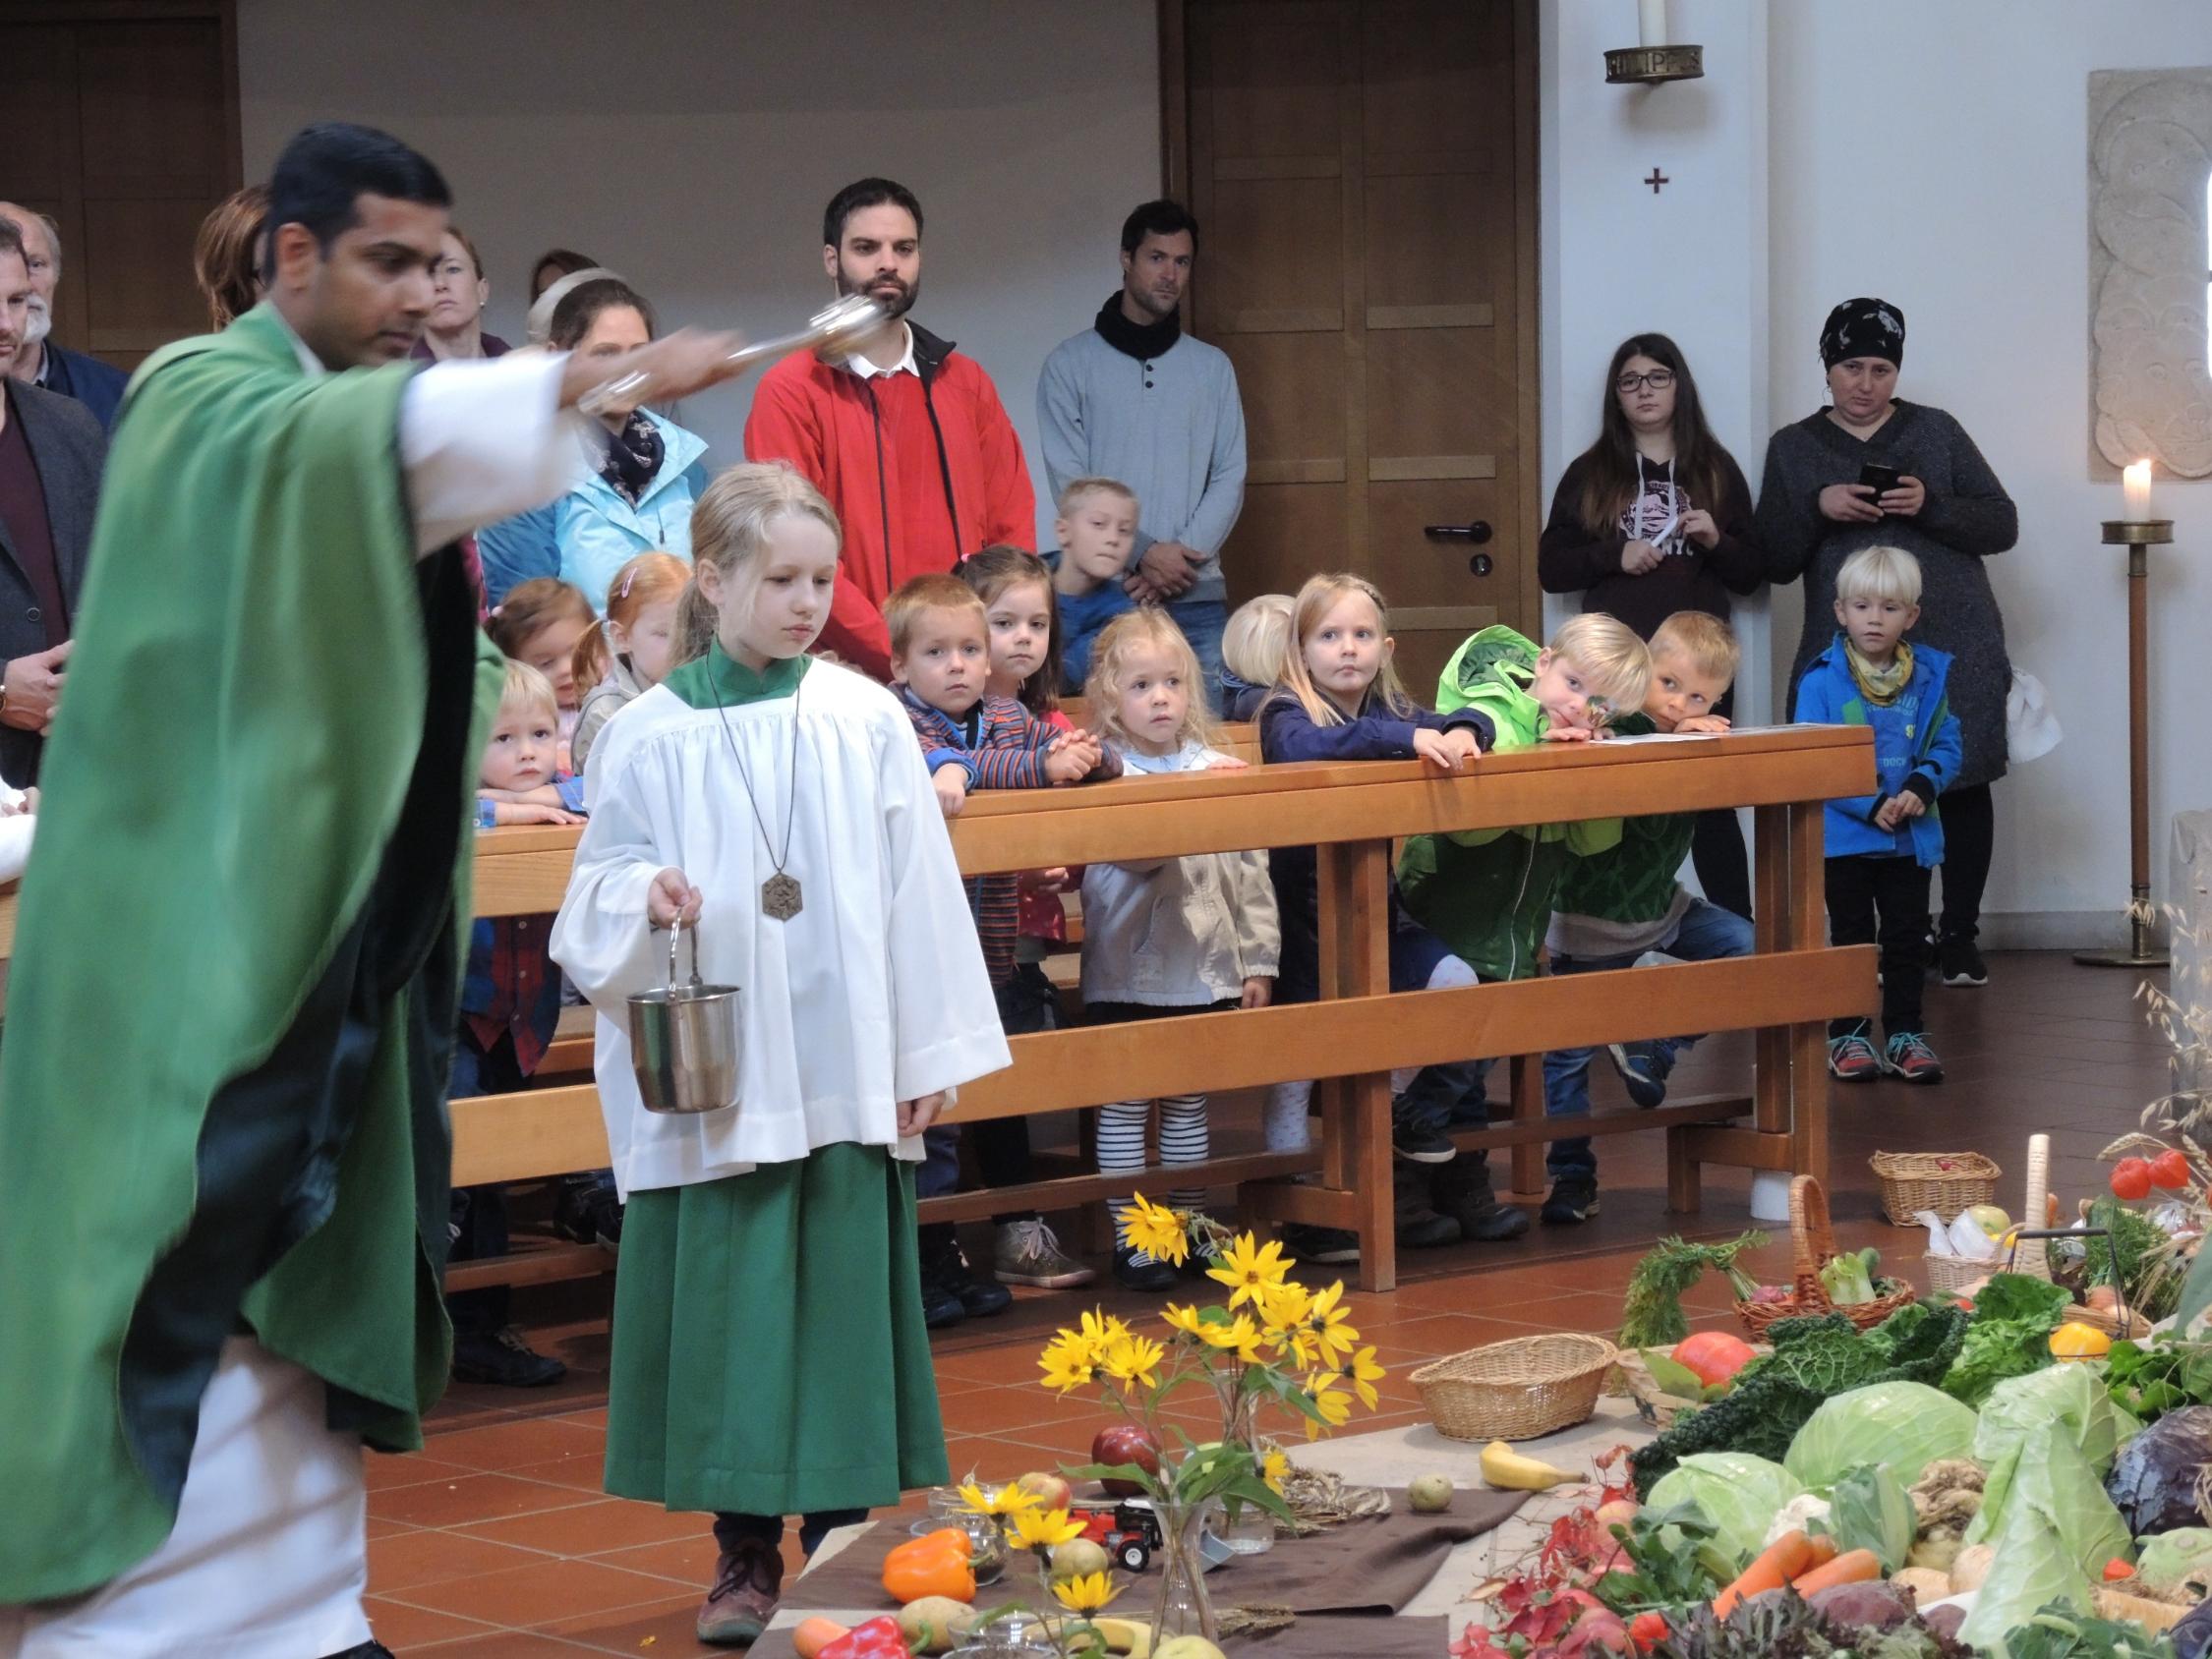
(1881, 479)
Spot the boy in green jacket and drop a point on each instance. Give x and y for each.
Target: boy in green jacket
(1487, 892)
(1614, 907)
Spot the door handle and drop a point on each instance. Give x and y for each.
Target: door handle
(1476, 533)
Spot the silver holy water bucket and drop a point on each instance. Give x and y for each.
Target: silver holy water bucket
(685, 1040)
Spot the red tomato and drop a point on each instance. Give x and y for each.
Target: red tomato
(2132, 1179)
(1715, 1355)
(2169, 1171)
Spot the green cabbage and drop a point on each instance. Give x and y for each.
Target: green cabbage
(2046, 1477)
(1736, 1492)
(1907, 1425)
(1870, 1510)
(2033, 1570)
(2064, 1399)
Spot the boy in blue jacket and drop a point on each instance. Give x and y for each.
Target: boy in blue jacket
(1881, 846)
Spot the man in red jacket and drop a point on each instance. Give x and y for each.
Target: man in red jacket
(906, 437)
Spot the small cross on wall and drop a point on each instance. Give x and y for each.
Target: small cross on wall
(1657, 179)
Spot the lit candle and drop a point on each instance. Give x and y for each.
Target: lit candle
(1651, 23)
(2135, 493)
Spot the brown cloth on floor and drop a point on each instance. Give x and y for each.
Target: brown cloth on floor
(1360, 1566)
(1308, 1638)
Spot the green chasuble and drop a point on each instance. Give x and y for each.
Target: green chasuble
(233, 1003)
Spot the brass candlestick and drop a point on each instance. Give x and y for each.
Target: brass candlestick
(2138, 536)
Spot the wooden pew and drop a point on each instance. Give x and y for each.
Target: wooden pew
(1360, 1031)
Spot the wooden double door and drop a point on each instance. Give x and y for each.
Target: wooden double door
(1364, 176)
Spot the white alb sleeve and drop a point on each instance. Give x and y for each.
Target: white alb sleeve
(484, 440)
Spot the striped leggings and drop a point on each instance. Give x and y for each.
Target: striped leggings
(1122, 1125)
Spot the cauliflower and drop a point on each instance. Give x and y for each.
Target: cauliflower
(1796, 1515)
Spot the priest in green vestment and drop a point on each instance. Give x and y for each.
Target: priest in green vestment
(235, 981)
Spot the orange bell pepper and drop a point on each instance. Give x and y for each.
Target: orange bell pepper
(934, 1564)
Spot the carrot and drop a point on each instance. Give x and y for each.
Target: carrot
(1853, 1566)
(1779, 1562)
(1824, 1551)
(814, 1635)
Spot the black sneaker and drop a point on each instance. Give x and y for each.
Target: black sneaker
(1328, 1246)
(589, 1214)
(1416, 1143)
(940, 1303)
(1643, 1068)
(1418, 1223)
(1960, 962)
(980, 1299)
(1573, 1201)
(1465, 1196)
(1133, 1269)
(504, 1358)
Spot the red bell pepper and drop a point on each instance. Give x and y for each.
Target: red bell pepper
(878, 1638)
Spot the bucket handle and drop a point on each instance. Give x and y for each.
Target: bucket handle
(675, 937)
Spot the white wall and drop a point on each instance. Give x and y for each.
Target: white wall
(692, 147)
(1936, 156)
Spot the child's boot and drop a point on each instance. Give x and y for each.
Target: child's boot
(1463, 1192)
(1415, 1219)
(749, 1582)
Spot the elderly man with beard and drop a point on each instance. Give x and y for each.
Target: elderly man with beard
(40, 363)
(906, 437)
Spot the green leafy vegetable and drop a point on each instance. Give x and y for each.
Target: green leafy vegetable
(2057, 1631)
(1652, 1316)
(2141, 1261)
(1671, 1560)
(1870, 1510)
(1847, 1281)
(2147, 1380)
(2045, 1483)
(2068, 1400)
(2008, 1337)
(1903, 1427)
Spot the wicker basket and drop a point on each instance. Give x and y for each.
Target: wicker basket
(1653, 1405)
(1516, 1390)
(1949, 1275)
(1812, 1238)
(1945, 1183)
(2117, 1323)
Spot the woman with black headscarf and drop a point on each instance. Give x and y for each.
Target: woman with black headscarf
(1872, 469)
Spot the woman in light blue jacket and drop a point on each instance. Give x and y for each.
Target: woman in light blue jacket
(640, 496)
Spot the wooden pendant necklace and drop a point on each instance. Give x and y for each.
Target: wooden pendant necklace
(780, 898)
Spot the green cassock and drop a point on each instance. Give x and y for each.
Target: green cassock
(233, 1002)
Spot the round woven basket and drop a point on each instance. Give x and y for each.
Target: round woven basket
(1945, 1183)
(1812, 1238)
(1516, 1390)
(1949, 1275)
(1653, 1405)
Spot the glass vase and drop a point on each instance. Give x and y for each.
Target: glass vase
(1251, 1529)
(1183, 1608)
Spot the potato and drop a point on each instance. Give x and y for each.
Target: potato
(932, 1624)
(1972, 1568)
(1925, 1584)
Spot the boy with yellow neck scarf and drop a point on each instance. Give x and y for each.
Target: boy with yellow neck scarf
(1881, 846)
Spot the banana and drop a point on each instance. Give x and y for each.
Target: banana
(1130, 1636)
(1511, 1471)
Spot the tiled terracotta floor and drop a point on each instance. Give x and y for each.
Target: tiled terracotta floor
(498, 1542)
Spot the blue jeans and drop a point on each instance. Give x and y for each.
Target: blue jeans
(1203, 622)
(1704, 933)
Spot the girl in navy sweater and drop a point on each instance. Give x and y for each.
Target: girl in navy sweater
(1340, 700)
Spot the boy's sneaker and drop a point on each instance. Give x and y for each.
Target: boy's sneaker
(1030, 1253)
(1960, 962)
(1418, 1143)
(590, 1214)
(1330, 1246)
(1573, 1201)
(1852, 1059)
(1643, 1068)
(1133, 1269)
(501, 1357)
(1910, 1057)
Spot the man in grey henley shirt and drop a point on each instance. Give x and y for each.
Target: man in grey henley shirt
(1134, 399)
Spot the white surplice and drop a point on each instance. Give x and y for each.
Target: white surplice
(873, 994)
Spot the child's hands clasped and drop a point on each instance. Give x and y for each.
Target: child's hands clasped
(1073, 756)
(1897, 808)
(672, 899)
(1448, 750)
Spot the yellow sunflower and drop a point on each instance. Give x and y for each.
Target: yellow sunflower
(1160, 1233)
(1363, 1373)
(1005, 1500)
(1274, 1469)
(1239, 1336)
(1086, 1592)
(1330, 1324)
(1132, 1360)
(1248, 1268)
(1044, 1529)
(1068, 1365)
(1185, 1319)
(1335, 1408)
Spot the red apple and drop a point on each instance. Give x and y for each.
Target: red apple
(1125, 1442)
(1055, 1493)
